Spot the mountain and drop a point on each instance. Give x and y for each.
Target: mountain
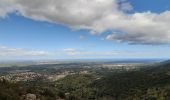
(151, 83)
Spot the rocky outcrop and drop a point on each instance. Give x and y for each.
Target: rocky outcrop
(30, 97)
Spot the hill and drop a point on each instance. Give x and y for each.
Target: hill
(148, 83)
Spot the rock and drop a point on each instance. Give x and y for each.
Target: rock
(30, 97)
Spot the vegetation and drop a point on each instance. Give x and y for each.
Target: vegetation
(151, 83)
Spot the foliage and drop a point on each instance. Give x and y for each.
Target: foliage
(149, 83)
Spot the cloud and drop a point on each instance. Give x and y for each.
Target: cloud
(125, 6)
(144, 28)
(82, 37)
(5, 8)
(70, 53)
(73, 51)
(85, 53)
(76, 13)
(97, 16)
(19, 52)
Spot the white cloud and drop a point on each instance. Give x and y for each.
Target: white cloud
(73, 51)
(82, 37)
(144, 28)
(69, 49)
(125, 5)
(85, 53)
(69, 53)
(19, 52)
(97, 16)
(5, 8)
(71, 12)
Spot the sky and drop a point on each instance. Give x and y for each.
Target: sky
(84, 29)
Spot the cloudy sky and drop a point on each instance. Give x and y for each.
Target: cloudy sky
(84, 29)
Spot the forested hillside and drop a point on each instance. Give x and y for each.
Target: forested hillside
(150, 83)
